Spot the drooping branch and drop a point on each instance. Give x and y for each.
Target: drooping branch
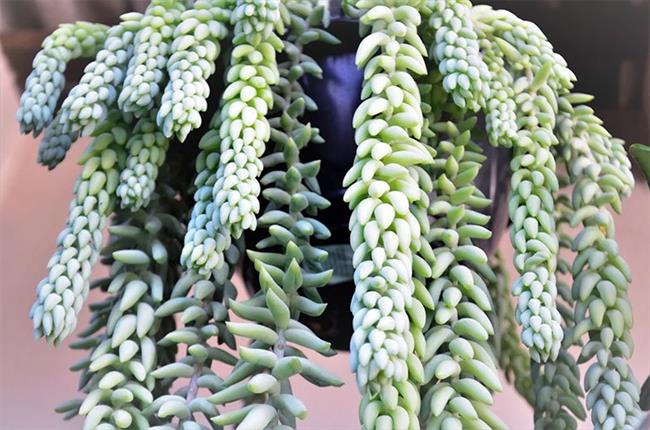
(61, 295)
(44, 85)
(385, 235)
(288, 264)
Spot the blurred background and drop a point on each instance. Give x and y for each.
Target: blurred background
(606, 43)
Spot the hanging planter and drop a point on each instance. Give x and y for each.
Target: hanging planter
(386, 142)
(337, 94)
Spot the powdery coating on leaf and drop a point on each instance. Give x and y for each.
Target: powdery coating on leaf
(90, 100)
(60, 296)
(46, 81)
(380, 192)
(152, 47)
(147, 149)
(55, 144)
(195, 48)
(244, 128)
(465, 75)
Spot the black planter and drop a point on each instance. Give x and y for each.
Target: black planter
(337, 96)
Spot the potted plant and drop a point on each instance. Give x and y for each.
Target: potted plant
(433, 82)
(337, 94)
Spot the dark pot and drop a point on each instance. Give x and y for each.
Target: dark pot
(338, 95)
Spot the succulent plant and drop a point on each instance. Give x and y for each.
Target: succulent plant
(433, 320)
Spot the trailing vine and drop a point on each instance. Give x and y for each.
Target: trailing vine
(195, 48)
(147, 149)
(151, 51)
(456, 49)
(558, 394)
(460, 372)
(247, 99)
(61, 295)
(602, 175)
(45, 84)
(118, 376)
(204, 314)
(380, 191)
(89, 102)
(289, 266)
(171, 342)
(513, 360)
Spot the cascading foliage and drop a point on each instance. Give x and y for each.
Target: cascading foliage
(118, 378)
(170, 343)
(601, 173)
(44, 85)
(385, 234)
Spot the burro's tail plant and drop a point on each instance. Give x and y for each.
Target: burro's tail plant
(172, 345)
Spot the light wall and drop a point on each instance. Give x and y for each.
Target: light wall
(34, 376)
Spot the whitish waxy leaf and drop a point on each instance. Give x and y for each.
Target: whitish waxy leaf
(131, 256)
(61, 294)
(46, 81)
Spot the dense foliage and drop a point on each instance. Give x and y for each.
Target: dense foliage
(433, 317)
